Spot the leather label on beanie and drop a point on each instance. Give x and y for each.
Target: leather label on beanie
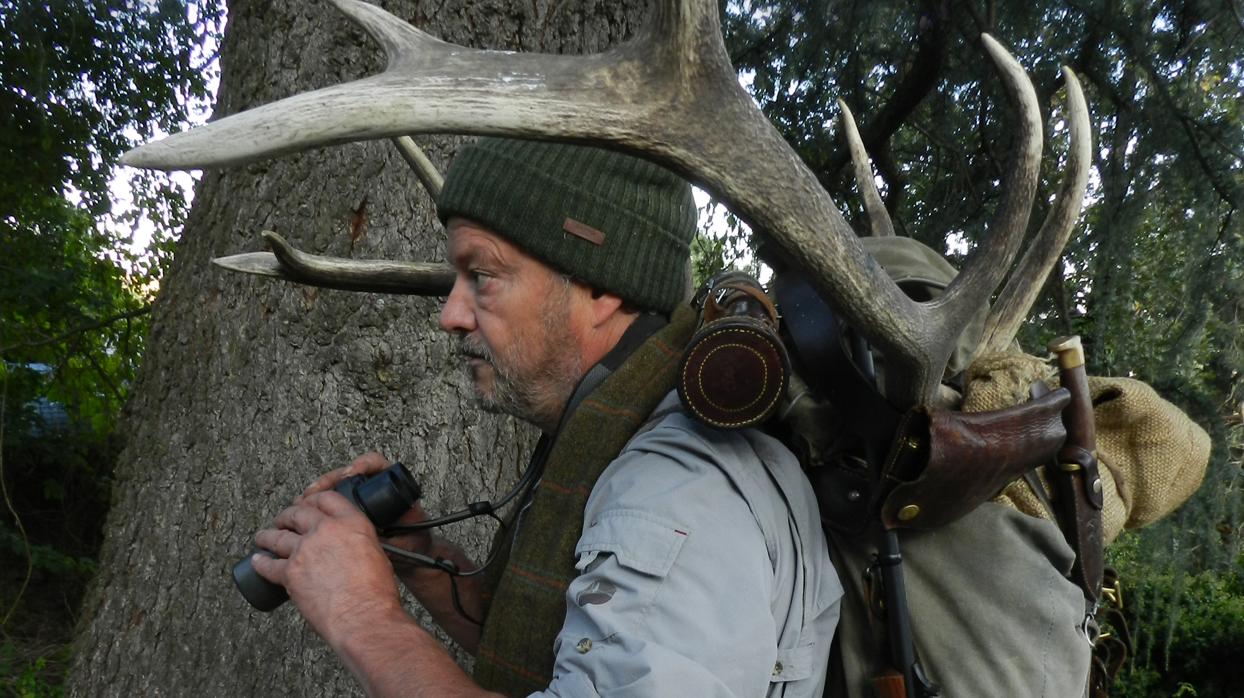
(585, 232)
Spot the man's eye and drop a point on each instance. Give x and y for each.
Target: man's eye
(480, 278)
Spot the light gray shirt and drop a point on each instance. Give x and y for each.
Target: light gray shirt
(704, 572)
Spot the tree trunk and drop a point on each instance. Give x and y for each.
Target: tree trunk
(251, 388)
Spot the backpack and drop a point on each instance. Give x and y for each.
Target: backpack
(991, 590)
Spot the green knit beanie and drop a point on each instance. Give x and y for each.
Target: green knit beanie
(616, 222)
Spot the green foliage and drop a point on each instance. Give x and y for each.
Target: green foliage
(1187, 629)
(64, 306)
(45, 559)
(80, 83)
(723, 242)
(58, 478)
(37, 677)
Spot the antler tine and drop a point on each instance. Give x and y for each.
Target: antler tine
(427, 173)
(879, 222)
(432, 86)
(416, 278)
(989, 263)
(662, 96)
(403, 43)
(1021, 290)
(373, 275)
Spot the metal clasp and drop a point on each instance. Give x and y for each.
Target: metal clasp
(1090, 629)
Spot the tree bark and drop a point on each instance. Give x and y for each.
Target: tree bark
(251, 388)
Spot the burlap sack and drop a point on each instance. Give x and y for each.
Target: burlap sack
(1154, 455)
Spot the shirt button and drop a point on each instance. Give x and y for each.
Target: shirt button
(777, 668)
(584, 646)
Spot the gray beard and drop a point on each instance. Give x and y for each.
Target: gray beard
(540, 396)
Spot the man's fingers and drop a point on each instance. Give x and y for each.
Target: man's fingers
(280, 541)
(327, 481)
(365, 464)
(294, 525)
(332, 504)
(270, 568)
(302, 517)
(368, 463)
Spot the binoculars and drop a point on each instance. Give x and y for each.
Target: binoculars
(383, 498)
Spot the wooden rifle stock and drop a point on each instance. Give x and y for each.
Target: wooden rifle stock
(889, 685)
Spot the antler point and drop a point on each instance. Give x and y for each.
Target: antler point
(131, 157)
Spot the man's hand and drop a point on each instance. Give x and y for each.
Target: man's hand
(430, 586)
(329, 559)
(367, 465)
(330, 562)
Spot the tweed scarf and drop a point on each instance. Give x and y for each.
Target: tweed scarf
(528, 605)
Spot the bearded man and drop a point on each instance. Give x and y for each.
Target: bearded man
(655, 556)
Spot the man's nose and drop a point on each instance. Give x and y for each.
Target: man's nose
(457, 315)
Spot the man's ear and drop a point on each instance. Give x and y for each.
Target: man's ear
(606, 307)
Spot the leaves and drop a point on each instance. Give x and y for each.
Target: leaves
(80, 83)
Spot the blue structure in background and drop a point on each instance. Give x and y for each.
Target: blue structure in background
(50, 417)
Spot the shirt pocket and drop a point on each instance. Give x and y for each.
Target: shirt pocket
(640, 541)
(623, 557)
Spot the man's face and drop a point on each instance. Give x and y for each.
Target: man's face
(516, 326)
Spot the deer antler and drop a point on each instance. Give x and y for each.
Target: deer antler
(374, 275)
(1013, 303)
(288, 263)
(663, 96)
(427, 173)
(879, 222)
(1020, 292)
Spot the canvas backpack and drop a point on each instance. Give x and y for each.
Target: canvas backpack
(988, 584)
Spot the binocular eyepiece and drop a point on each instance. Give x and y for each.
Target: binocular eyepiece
(383, 498)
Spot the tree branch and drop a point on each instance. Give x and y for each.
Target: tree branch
(1057, 284)
(127, 315)
(764, 43)
(922, 74)
(1129, 42)
(103, 376)
(982, 25)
